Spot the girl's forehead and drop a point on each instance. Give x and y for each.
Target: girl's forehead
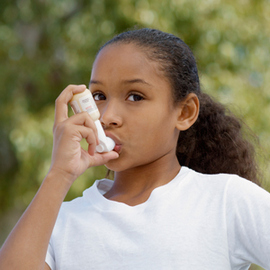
(124, 58)
(121, 51)
(120, 65)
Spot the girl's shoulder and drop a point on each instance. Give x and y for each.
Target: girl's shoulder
(233, 185)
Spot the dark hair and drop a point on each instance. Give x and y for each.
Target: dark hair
(215, 143)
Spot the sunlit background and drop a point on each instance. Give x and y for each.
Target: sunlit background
(47, 44)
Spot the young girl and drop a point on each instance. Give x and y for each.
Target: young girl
(178, 199)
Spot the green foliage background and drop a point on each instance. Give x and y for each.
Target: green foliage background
(47, 44)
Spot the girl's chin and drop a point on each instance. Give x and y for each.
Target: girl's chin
(114, 165)
(119, 164)
(113, 168)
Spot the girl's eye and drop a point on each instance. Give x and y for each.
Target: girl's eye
(135, 97)
(98, 96)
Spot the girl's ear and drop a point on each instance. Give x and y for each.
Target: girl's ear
(188, 112)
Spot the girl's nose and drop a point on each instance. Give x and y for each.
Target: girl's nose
(110, 116)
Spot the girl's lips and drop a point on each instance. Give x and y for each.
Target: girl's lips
(117, 148)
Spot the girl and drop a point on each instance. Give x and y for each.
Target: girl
(179, 199)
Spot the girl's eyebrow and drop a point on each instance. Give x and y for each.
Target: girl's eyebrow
(135, 81)
(95, 82)
(123, 82)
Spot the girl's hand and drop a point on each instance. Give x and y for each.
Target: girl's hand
(68, 157)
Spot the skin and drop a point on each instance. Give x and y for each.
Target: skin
(26, 246)
(137, 111)
(145, 130)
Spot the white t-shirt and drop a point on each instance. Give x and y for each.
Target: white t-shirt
(196, 221)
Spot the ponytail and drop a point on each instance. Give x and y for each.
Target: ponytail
(215, 143)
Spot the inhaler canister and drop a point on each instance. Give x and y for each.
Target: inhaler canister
(84, 102)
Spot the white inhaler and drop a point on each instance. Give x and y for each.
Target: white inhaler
(84, 102)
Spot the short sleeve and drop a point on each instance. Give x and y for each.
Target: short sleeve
(50, 259)
(248, 221)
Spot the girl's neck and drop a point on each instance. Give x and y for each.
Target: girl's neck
(134, 186)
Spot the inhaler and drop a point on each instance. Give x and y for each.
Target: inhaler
(84, 102)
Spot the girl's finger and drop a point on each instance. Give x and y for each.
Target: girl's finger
(89, 135)
(84, 119)
(61, 103)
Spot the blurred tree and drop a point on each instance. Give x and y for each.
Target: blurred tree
(46, 45)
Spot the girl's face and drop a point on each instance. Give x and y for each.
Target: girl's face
(136, 107)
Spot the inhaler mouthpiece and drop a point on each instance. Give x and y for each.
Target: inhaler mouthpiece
(106, 144)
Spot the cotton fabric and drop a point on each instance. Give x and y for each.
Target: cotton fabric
(196, 221)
